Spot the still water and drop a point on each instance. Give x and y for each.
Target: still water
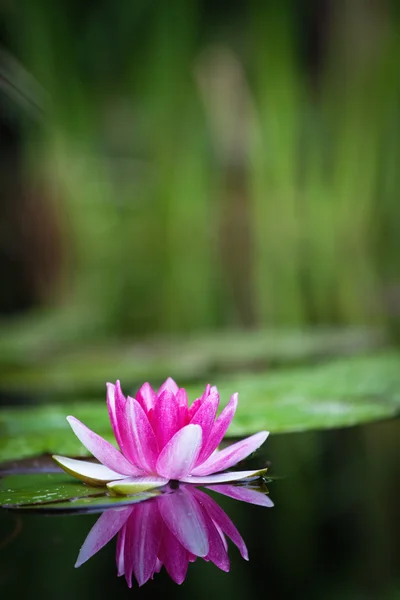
(333, 532)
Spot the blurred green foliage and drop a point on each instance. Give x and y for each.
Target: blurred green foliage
(36, 361)
(341, 393)
(207, 176)
(208, 173)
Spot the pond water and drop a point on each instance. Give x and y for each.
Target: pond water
(333, 532)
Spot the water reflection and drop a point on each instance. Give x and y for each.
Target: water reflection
(171, 530)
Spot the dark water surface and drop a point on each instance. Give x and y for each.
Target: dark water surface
(332, 534)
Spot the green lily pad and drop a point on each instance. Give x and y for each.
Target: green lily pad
(340, 393)
(58, 492)
(335, 394)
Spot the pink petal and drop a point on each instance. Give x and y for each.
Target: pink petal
(219, 461)
(222, 477)
(158, 564)
(182, 401)
(165, 417)
(193, 409)
(219, 428)
(146, 397)
(221, 534)
(143, 442)
(142, 542)
(182, 398)
(170, 385)
(243, 493)
(178, 457)
(116, 402)
(105, 452)
(198, 402)
(120, 552)
(222, 521)
(106, 526)
(89, 472)
(217, 545)
(183, 516)
(204, 417)
(174, 556)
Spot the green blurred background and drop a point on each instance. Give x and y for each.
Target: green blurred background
(197, 189)
(192, 168)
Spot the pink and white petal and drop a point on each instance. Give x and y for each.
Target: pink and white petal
(142, 542)
(120, 558)
(219, 429)
(222, 521)
(174, 556)
(105, 528)
(205, 418)
(184, 518)
(217, 552)
(179, 455)
(198, 402)
(136, 485)
(169, 384)
(222, 535)
(243, 493)
(143, 448)
(115, 404)
(86, 471)
(222, 477)
(231, 455)
(165, 419)
(146, 397)
(116, 395)
(105, 452)
(159, 566)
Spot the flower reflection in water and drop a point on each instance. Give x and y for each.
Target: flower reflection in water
(171, 530)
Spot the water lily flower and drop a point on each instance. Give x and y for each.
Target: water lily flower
(161, 438)
(171, 530)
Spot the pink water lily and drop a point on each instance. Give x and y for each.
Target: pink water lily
(162, 438)
(170, 530)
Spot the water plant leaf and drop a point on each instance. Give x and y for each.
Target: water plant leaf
(338, 393)
(58, 492)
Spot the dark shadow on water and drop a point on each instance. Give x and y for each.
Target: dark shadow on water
(333, 533)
